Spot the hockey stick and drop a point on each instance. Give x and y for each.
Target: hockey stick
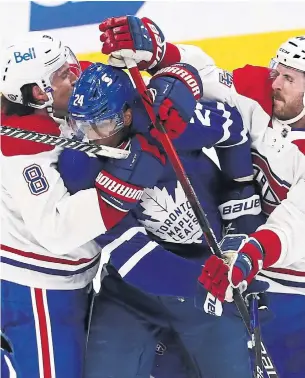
(62, 142)
(256, 333)
(197, 208)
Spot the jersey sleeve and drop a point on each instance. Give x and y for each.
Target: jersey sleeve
(145, 264)
(248, 88)
(282, 236)
(58, 221)
(213, 124)
(219, 125)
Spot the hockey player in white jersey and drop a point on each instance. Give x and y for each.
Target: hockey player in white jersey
(272, 102)
(48, 258)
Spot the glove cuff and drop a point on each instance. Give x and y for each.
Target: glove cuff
(158, 41)
(172, 55)
(242, 267)
(254, 251)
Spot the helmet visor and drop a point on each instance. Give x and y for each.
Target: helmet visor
(94, 130)
(73, 62)
(273, 63)
(71, 67)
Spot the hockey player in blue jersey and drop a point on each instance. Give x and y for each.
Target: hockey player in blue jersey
(159, 248)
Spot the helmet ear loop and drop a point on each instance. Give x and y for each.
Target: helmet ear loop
(45, 86)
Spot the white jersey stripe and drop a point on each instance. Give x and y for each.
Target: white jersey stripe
(49, 333)
(132, 262)
(42, 333)
(37, 329)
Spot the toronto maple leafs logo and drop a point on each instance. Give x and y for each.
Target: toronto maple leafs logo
(171, 220)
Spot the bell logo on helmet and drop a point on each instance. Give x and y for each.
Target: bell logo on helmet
(19, 57)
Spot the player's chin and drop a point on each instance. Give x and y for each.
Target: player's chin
(279, 109)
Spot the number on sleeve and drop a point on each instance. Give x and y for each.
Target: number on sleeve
(204, 118)
(36, 180)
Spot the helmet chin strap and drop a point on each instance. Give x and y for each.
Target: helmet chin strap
(296, 118)
(46, 105)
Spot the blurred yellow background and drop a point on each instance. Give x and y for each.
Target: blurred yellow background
(234, 51)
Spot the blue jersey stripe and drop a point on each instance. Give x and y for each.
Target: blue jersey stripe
(53, 272)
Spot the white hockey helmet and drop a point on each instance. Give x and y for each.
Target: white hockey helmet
(292, 54)
(33, 59)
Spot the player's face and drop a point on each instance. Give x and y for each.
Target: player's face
(63, 81)
(288, 90)
(117, 138)
(106, 132)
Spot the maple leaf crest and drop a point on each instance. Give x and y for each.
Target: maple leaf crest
(166, 213)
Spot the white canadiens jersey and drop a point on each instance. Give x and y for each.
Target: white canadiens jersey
(278, 159)
(46, 234)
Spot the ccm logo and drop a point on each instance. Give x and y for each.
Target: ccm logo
(186, 76)
(159, 43)
(117, 188)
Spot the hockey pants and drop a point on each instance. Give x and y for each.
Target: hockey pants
(46, 329)
(135, 335)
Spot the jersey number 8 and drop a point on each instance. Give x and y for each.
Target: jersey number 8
(36, 180)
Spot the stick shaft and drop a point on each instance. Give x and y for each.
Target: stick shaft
(62, 142)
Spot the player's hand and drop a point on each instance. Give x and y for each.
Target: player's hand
(121, 182)
(132, 37)
(175, 91)
(204, 301)
(242, 260)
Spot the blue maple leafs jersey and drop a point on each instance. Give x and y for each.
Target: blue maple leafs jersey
(141, 247)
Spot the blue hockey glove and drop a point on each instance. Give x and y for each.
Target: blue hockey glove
(175, 91)
(132, 37)
(241, 208)
(121, 182)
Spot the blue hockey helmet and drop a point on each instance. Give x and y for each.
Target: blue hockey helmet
(98, 101)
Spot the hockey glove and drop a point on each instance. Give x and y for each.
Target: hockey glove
(132, 37)
(242, 259)
(241, 208)
(204, 301)
(121, 182)
(175, 91)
